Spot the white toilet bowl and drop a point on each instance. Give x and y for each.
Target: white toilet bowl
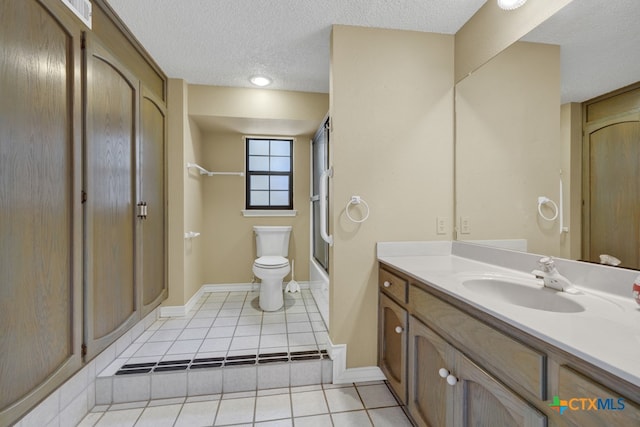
(271, 270)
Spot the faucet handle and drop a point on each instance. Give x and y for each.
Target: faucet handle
(546, 264)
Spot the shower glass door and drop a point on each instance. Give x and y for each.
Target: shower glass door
(320, 162)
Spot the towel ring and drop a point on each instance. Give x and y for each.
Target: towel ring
(545, 200)
(356, 200)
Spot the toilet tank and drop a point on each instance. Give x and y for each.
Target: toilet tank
(272, 240)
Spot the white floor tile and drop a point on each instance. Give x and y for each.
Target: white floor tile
(247, 330)
(239, 343)
(90, 419)
(221, 332)
(184, 347)
(343, 399)
(273, 407)
(313, 421)
(165, 335)
(192, 333)
(234, 411)
(276, 423)
(201, 323)
(299, 327)
(376, 396)
(274, 328)
(126, 418)
(153, 349)
(159, 416)
(175, 324)
(197, 414)
(351, 419)
(309, 403)
(301, 339)
(389, 417)
(277, 340)
(215, 344)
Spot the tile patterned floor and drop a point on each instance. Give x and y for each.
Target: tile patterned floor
(229, 324)
(352, 405)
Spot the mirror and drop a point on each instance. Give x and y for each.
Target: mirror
(518, 127)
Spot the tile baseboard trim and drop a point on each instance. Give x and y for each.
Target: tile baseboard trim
(344, 375)
(182, 310)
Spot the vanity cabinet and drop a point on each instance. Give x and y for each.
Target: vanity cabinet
(446, 388)
(393, 345)
(466, 368)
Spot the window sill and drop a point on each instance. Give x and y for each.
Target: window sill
(268, 212)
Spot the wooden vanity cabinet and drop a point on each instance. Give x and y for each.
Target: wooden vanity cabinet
(465, 368)
(393, 344)
(446, 388)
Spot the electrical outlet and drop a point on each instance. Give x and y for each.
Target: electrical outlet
(441, 225)
(465, 228)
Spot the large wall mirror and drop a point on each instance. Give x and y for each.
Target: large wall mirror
(519, 157)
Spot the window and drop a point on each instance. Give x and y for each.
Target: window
(269, 173)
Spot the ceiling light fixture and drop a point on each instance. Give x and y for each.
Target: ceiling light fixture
(260, 81)
(510, 4)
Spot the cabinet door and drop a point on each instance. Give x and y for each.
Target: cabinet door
(430, 398)
(483, 401)
(110, 166)
(152, 185)
(392, 345)
(40, 211)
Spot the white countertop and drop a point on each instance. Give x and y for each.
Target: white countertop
(606, 333)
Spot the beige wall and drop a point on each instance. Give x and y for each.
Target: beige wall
(391, 144)
(492, 29)
(206, 125)
(229, 241)
(184, 197)
(508, 146)
(571, 155)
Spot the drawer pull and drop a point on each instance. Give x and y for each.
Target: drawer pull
(386, 284)
(399, 329)
(451, 380)
(444, 373)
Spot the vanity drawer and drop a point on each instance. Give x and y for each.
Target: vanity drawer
(393, 285)
(582, 394)
(514, 363)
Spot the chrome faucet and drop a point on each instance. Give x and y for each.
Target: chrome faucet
(548, 272)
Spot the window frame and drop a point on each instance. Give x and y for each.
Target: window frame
(249, 174)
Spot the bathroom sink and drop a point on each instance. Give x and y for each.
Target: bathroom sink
(523, 294)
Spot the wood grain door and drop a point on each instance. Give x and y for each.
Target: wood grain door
(430, 399)
(613, 203)
(40, 205)
(393, 344)
(110, 207)
(152, 193)
(480, 400)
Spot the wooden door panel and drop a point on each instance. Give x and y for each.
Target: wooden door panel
(392, 353)
(110, 208)
(429, 397)
(40, 222)
(152, 181)
(614, 202)
(481, 400)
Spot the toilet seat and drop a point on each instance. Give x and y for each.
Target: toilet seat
(271, 262)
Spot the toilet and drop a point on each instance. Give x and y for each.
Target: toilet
(272, 265)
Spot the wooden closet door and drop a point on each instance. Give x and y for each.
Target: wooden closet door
(152, 185)
(110, 207)
(40, 211)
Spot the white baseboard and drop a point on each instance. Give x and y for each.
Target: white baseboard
(182, 310)
(344, 375)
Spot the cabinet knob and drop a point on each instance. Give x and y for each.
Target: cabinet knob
(399, 329)
(386, 284)
(451, 380)
(444, 373)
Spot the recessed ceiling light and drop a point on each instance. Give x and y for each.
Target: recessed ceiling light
(510, 4)
(260, 81)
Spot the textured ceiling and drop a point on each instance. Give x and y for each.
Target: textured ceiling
(224, 42)
(599, 46)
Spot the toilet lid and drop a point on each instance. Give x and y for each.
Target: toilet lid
(271, 262)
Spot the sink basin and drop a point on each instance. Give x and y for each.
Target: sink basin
(523, 294)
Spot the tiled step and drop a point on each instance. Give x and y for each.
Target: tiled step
(186, 378)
